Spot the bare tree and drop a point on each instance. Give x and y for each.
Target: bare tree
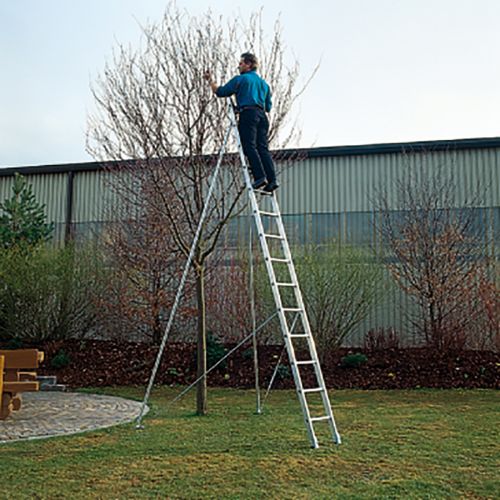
(153, 106)
(228, 301)
(145, 261)
(437, 252)
(489, 293)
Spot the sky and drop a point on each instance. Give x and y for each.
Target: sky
(390, 70)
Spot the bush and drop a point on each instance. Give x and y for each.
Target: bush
(48, 293)
(60, 360)
(284, 372)
(487, 334)
(353, 360)
(438, 252)
(215, 351)
(339, 284)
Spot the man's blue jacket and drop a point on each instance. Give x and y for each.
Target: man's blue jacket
(250, 90)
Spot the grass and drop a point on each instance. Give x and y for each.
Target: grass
(396, 444)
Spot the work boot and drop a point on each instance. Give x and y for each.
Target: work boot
(259, 183)
(272, 186)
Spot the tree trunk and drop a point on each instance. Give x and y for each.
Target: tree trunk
(201, 390)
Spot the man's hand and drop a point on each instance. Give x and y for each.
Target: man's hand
(208, 77)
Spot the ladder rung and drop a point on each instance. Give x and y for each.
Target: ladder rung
(292, 309)
(299, 335)
(274, 236)
(277, 259)
(309, 362)
(285, 284)
(318, 419)
(270, 214)
(316, 389)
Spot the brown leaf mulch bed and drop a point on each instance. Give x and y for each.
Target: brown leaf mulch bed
(102, 363)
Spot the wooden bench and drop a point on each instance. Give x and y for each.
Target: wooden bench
(17, 376)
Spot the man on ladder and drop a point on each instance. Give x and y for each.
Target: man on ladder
(253, 97)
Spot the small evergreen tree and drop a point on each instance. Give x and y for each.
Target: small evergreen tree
(23, 220)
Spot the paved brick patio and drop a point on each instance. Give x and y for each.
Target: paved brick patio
(48, 414)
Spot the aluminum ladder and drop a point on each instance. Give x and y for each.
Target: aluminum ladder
(293, 318)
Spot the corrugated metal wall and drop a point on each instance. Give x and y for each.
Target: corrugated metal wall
(49, 189)
(323, 197)
(350, 183)
(334, 197)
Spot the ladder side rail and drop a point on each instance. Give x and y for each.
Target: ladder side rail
(293, 275)
(305, 322)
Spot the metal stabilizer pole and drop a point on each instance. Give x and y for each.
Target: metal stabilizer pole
(278, 364)
(258, 409)
(183, 280)
(275, 372)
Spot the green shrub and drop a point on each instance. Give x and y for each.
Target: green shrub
(248, 354)
(48, 293)
(60, 360)
(339, 283)
(353, 360)
(284, 372)
(215, 351)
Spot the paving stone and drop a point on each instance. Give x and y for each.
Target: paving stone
(46, 381)
(53, 387)
(48, 414)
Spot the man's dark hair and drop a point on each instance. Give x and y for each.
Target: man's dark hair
(250, 59)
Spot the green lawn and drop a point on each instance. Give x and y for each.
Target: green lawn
(396, 444)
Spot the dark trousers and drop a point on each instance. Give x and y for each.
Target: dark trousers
(253, 126)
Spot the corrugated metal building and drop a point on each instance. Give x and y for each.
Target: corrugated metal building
(327, 195)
